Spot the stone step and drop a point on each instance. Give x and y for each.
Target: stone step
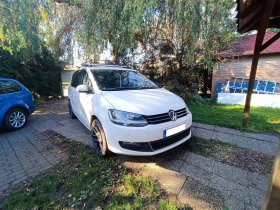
(267, 145)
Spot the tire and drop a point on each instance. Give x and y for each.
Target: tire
(71, 113)
(16, 119)
(99, 140)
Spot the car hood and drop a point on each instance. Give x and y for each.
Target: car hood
(145, 102)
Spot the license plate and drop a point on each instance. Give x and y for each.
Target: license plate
(173, 131)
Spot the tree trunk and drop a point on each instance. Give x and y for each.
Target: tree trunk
(205, 81)
(116, 58)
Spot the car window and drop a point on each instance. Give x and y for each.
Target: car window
(82, 75)
(9, 87)
(73, 79)
(109, 80)
(87, 82)
(76, 79)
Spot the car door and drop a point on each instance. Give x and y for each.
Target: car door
(3, 96)
(8, 93)
(86, 100)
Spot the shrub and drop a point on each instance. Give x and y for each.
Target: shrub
(41, 74)
(198, 100)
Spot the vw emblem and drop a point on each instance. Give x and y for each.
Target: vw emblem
(172, 115)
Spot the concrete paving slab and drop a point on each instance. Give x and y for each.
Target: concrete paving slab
(247, 143)
(234, 204)
(76, 134)
(205, 126)
(204, 163)
(222, 184)
(268, 148)
(170, 164)
(236, 137)
(249, 207)
(257, 197)
(202, 133)
(258, 181)
(223, 137)
(234, 174)
(169, 180)
(263, 137)
(135, 166)
(228, 130)
(200, 196)
(179, 153)
(196, 173)
(241, 194)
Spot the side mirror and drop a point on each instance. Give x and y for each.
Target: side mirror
(82, 89)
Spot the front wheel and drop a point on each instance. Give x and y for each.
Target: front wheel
(15, 119)
(99, 140)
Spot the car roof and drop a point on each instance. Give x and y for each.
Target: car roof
(8, 79)
(108, 67)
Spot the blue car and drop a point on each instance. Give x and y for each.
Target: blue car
(16, 104)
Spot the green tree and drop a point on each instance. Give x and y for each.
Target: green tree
(24, 30)
(19, 26)
(179, 35)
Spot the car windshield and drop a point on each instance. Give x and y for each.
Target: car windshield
(111, 80)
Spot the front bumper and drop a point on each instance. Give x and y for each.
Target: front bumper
(149, 139)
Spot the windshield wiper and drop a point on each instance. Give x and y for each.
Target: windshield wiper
(147, 88)
(128, 88)
(119, 88)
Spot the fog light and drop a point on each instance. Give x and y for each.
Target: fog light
(136, 146)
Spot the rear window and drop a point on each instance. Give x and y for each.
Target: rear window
(9, 87)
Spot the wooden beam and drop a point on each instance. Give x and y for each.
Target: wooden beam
(252, 8)
(249, 23)
(264, 22)
(272, 196)
(269, 42)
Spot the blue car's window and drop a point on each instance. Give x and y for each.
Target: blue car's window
(9, 87)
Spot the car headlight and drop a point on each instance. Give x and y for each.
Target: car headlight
(127, 118)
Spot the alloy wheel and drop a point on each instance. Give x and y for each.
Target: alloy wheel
(17, 119)
(97, 140)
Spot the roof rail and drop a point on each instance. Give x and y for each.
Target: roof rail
(112, 65)
(96, 65)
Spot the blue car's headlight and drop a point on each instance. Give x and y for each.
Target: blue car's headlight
(127, 118)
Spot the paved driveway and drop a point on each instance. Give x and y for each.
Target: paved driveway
(27, 152)
(201, 181)
(23, 155)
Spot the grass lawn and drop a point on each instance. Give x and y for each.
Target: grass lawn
(86, 181)
(261, 119)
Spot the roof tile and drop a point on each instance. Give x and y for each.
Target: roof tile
(246, 45)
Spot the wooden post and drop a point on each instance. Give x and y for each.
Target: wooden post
(272, 198)
(258, 48)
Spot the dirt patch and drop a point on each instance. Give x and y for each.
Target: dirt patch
(54, 105)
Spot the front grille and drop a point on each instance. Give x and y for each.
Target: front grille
(155, 145)
(159, 144)
(162, 118)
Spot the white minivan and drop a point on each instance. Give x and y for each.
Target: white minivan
(126, 112)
